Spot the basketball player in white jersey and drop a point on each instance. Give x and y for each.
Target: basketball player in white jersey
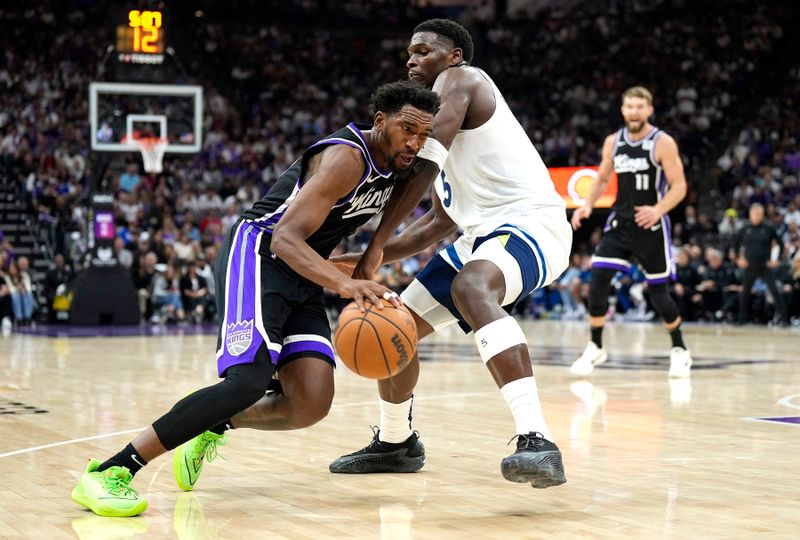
(491, 183)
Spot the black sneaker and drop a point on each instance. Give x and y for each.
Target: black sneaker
(383, 457)
(536, 460)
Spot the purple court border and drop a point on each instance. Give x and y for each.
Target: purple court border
(790, 420)
(74, 331)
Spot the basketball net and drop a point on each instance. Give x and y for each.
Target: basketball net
(152, 150)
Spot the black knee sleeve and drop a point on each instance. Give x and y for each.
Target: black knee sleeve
(599, 288)
(663, 302)
(243, 385)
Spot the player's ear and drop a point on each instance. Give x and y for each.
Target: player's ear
(379, 121)
(456, 57)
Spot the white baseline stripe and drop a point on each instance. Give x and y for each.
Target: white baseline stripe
(71, 441)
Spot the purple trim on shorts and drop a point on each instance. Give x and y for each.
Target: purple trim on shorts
(668, 230)
(611, 217)
(611, 266)
(656, 281)
(304, 346)
(239, 329)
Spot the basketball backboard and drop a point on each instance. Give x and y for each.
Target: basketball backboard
(119, 112)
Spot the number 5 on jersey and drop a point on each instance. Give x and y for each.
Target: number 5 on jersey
(448, 192)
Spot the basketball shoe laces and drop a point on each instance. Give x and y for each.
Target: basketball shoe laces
(377, 444)
(118, 482)
(206, 447)
(533, 440)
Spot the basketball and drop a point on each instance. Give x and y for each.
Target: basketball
(376, 344)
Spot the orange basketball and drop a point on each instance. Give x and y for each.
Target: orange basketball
(376, 344)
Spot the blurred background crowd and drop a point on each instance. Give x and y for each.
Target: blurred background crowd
(725, 76)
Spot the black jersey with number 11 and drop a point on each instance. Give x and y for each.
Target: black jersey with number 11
(639, 178)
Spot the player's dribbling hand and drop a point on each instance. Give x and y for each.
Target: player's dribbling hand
(368, 264)
(579, 215)
(364, 290)
(646, 216)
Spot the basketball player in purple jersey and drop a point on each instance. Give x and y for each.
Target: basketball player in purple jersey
(646, 161)
(274, 266)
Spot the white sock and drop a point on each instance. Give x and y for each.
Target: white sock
(395, 424)
(522, 398)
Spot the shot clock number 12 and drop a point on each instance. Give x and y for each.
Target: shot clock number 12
(146, 27)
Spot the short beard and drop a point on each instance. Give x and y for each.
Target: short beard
(391, 158)
(641, 127)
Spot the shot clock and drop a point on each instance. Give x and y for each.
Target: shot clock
(140, 37)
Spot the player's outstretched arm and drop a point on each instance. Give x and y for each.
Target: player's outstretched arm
(405, 197)
(429, 229)
(455, 87)
(599, 184)
(334, 173)
(669, 158)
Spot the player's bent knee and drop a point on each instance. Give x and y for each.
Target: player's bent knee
(313, 412)
(308, 385)
(598, 291)
(241, 392)
(663, 302)
(245, 384)
(471, 288)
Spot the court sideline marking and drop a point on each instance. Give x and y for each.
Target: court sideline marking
(336, 406)
(114, 434)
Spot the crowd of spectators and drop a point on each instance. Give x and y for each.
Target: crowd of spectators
(274, 87)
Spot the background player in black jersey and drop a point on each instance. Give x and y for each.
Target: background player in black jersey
(646, 160)
(272, 269)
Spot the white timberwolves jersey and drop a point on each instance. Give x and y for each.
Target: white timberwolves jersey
(494, 173)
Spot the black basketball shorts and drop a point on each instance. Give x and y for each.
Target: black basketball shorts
(625, 242)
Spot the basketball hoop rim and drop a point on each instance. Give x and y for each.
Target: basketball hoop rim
(146, 142)
(152, 150)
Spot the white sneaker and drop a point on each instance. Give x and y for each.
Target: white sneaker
(592, 356)
(680, 362)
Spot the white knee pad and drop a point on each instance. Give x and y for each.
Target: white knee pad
(497, 336)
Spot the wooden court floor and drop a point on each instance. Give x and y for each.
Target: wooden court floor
(645, 457)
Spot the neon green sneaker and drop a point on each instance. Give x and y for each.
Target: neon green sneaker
(108, 493)
(187, 463)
